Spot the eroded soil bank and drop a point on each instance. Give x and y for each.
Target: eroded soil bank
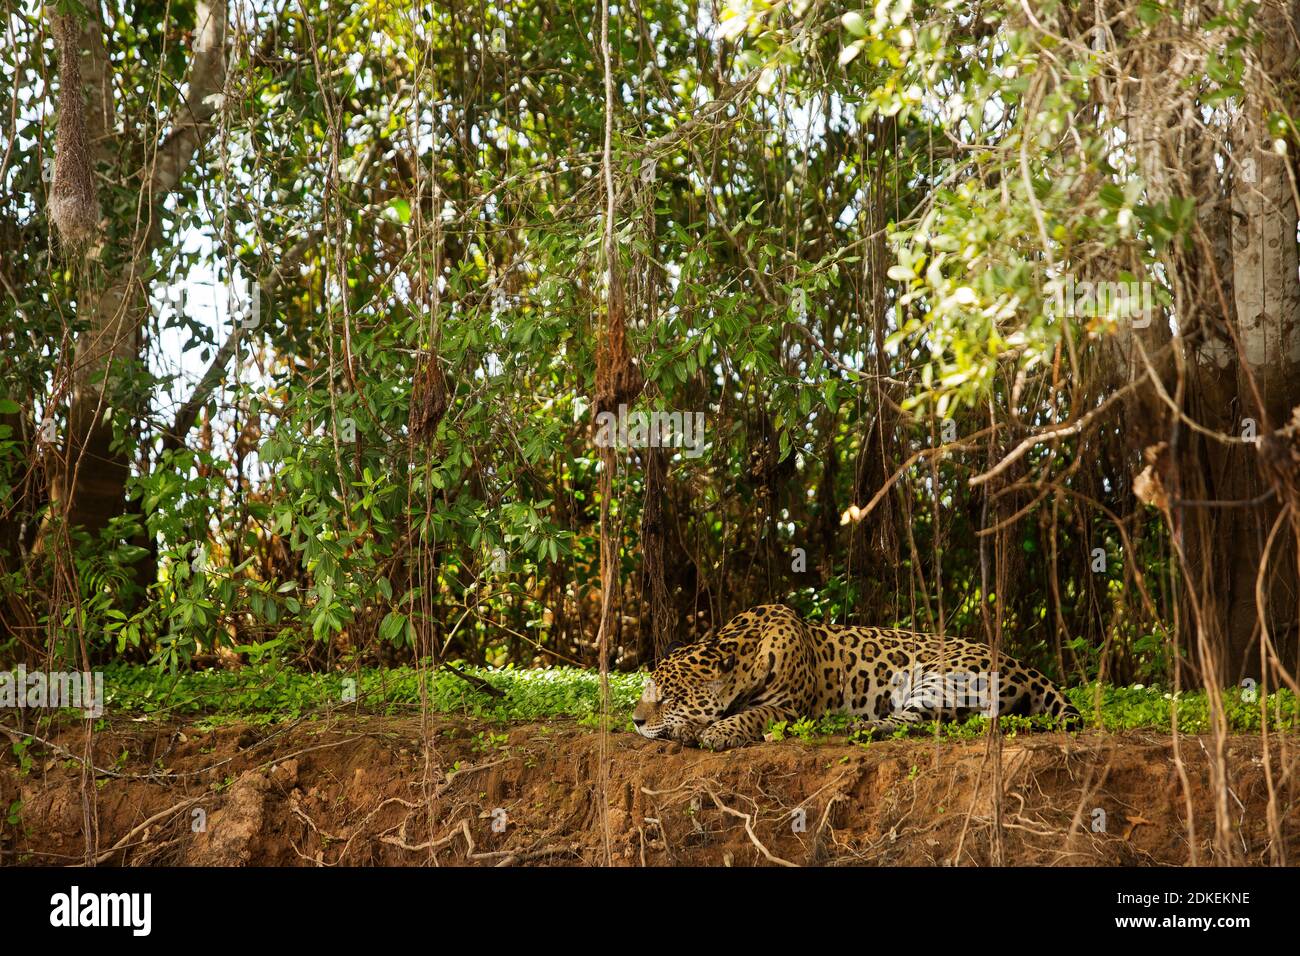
(362, 790)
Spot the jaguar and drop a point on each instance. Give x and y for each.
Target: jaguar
(768, 664)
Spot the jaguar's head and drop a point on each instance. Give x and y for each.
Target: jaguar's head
(690, 688)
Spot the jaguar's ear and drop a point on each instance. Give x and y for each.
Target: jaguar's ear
(728, 663)
(670, 648)
(651, 690)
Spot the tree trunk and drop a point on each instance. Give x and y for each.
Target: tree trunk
(88, 485)
(1243, 381)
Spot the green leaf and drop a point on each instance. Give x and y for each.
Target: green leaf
(402, 208)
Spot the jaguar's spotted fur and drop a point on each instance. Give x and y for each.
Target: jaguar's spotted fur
(768, 664)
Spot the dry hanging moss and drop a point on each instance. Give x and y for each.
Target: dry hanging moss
(1280, 454)
(73, 206)
(428, 399)
(618, 382)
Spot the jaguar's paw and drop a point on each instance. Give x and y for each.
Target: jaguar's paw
(715, 738)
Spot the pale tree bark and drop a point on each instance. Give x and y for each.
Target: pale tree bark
(1243, 381)
(1232, 372)
(89, 481)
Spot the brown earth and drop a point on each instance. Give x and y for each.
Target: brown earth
(362, 790)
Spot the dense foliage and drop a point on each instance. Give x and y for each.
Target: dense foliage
(841, 235)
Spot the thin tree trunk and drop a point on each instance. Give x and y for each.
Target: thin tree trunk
(88, 487)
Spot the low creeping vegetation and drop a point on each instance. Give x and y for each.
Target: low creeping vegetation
(1103, 708)
(268, 693)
